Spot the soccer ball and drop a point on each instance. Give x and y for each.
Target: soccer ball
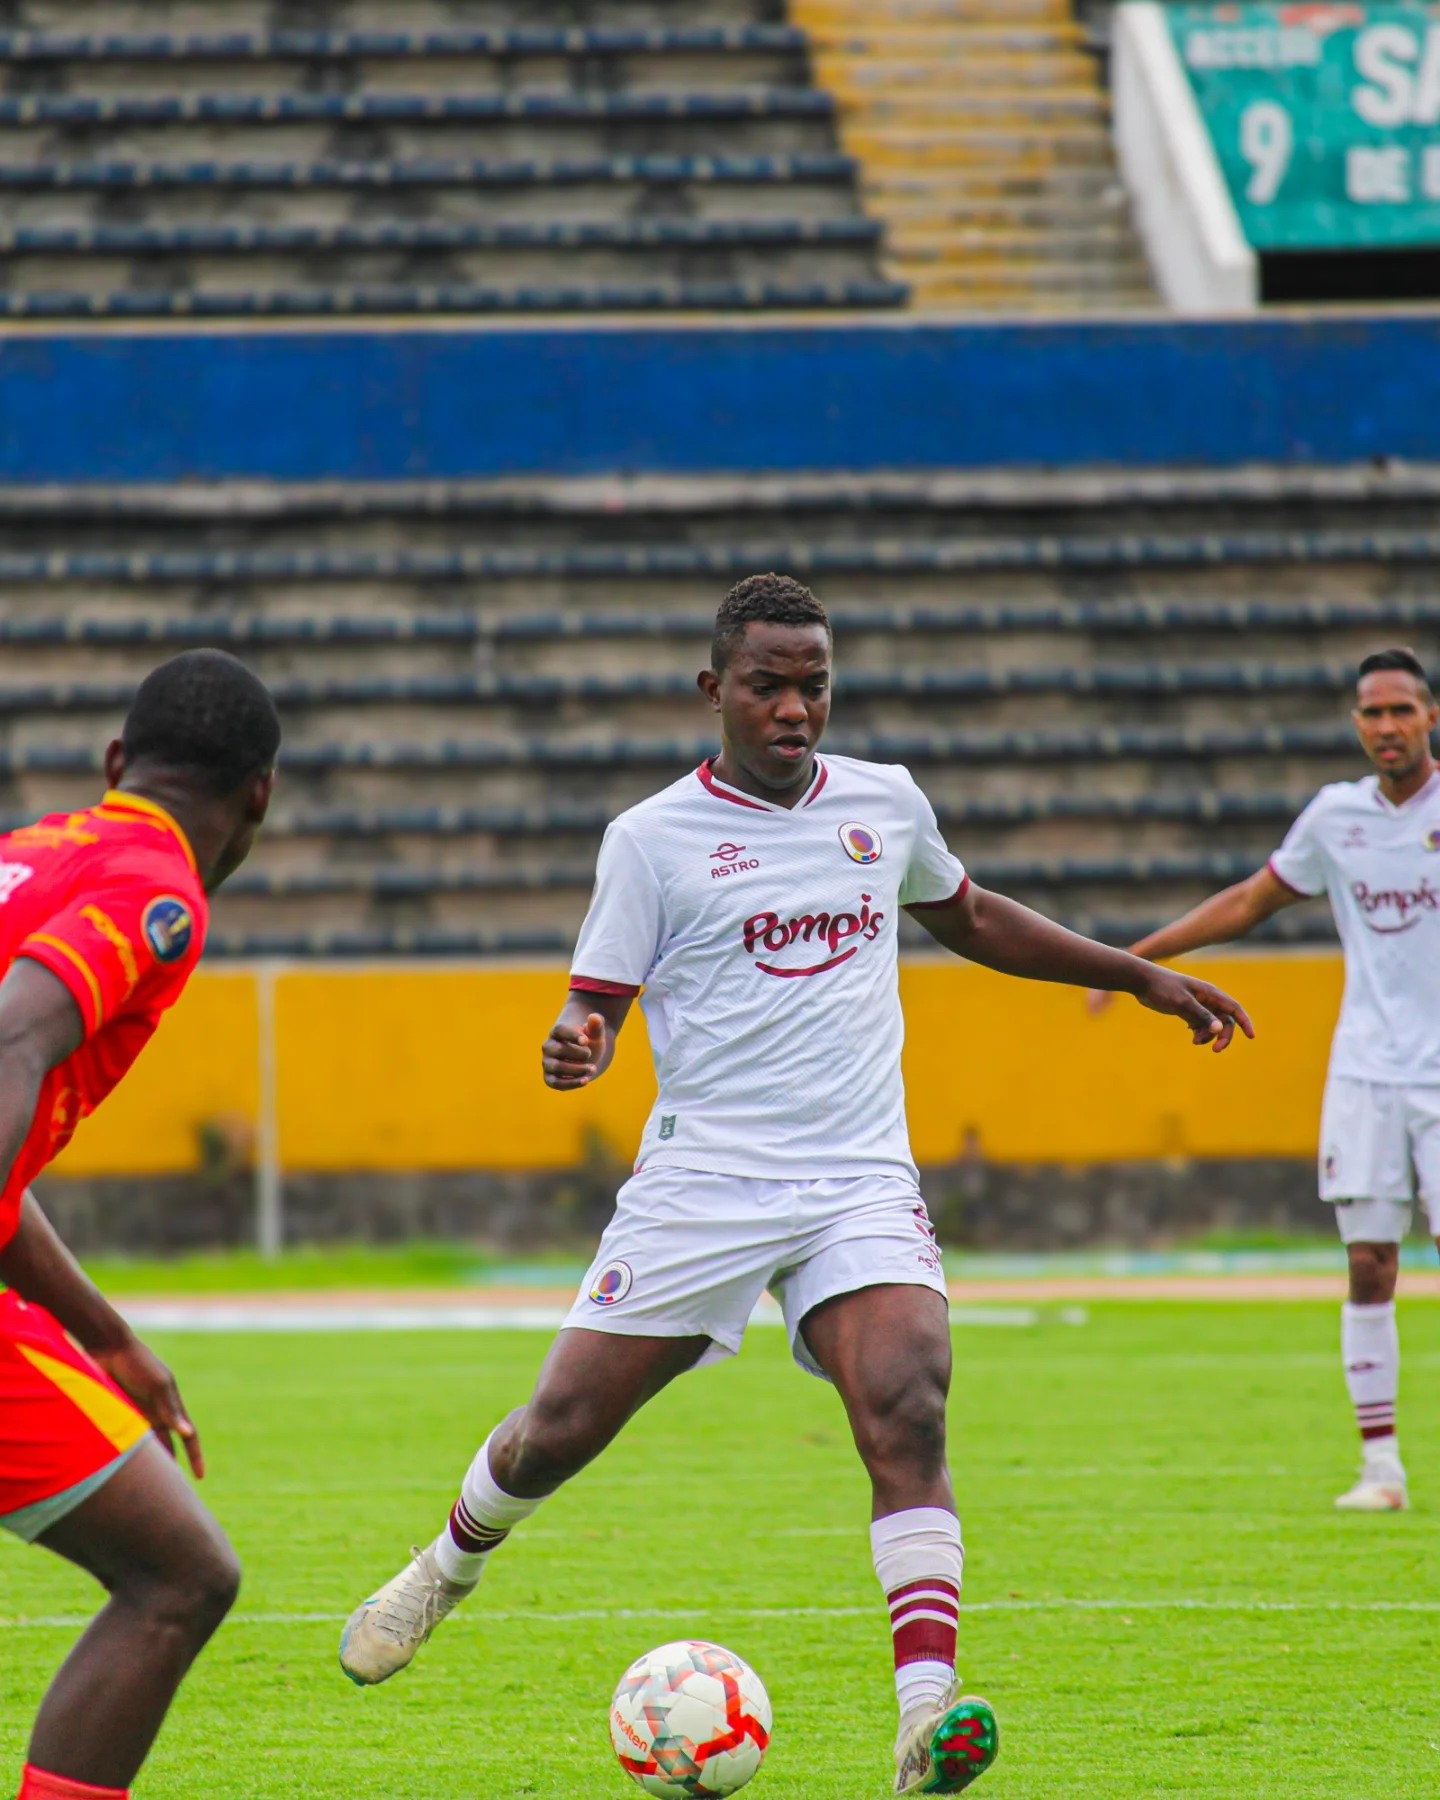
(690, 1721)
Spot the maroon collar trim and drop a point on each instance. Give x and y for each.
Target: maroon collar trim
(736, 798)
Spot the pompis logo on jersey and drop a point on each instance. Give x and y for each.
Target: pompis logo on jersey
(769, 932)
(1388, 910)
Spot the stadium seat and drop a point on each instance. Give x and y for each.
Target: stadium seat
(715, 296)
(248, 173)
(434, 171)
(391, 46)
(1117, 687)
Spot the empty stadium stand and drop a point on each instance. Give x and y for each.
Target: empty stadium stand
(463, 159)
(982, 131)
(1117, 688)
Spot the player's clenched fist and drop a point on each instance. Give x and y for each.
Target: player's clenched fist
(572, 1055)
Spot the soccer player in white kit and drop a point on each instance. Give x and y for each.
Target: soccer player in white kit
(1373, 847)
(755, 902)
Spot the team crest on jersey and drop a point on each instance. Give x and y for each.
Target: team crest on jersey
(862, 843)
(1432, 838)
(612, 1284)
(168, 926)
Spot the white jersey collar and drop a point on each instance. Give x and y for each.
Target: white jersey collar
(723, 791)
(1431, 787)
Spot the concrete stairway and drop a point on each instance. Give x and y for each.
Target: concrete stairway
(983, 131)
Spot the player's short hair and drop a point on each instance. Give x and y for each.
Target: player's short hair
(762, 600)
(204, 715)
(1398, 659)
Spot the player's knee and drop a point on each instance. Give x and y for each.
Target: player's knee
(1373, 1270)
(906, 1430)
(556, 1435)
(202, 1585)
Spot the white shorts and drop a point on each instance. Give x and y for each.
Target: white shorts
(689, 1253)
(1379, 1152)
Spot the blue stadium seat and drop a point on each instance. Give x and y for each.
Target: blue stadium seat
(796, 555)
(435, 234)
(256, 46)
(1105, 744)
(392, 109)
(382, 883)
(1151, 679)
(654, 296)
(590, 819)
(431, 171)
(1099, 618)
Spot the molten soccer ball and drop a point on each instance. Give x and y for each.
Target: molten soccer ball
(690, 1721)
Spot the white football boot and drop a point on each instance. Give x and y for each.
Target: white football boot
(1381, 1488)
(942, 1749)
(384, 1632)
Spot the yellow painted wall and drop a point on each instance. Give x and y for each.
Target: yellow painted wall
(438, 1068)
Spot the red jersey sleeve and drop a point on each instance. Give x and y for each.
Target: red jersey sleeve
(125, 946)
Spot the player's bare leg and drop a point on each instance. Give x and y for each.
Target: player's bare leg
(887, 1349)
(1371, 1350)
(590, 1384)
(171, 1577)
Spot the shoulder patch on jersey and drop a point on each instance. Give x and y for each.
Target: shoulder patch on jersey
(168, 925)
(861, 843)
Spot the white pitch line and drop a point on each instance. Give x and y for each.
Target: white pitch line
(67, 1621)
(263, 1316)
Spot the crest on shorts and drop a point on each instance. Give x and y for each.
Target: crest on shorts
(861, 843)
(168, 926)
(612, 1284)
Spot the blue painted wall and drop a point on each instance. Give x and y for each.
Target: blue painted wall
(382, 405)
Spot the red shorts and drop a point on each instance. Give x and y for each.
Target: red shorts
(62, 1419)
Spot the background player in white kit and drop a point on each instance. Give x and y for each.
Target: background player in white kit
(1373, 846)
(756, 901)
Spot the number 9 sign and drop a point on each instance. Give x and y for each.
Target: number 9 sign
(1267, 139)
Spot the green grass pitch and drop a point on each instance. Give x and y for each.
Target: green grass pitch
(1160, 1600)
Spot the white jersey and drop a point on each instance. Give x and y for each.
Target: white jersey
(765, 938)
(1380, 865)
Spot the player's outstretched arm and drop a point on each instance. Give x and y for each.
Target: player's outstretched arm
(581, 1044)
(1001, 934)
(1232, 913)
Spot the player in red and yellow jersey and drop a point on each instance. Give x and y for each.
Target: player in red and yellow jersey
(102, 919)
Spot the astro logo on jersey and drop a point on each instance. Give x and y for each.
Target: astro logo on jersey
(731, 859)
(862, 845)
(612, 1284)
(168, 927)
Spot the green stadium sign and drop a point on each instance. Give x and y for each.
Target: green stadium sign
(1326, 118)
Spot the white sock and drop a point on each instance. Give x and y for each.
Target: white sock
(1370, 1345)
(480, 1521)
(920, 1561)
